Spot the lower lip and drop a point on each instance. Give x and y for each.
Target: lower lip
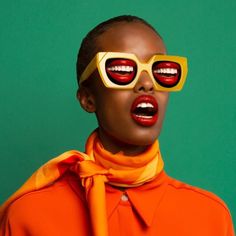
(142, 120)
(145, 121)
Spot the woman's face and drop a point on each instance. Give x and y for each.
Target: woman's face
(122, 125)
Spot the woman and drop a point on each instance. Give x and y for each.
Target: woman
(118, 186)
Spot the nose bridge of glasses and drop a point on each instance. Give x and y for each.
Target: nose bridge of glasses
(145, 68)
(145, 75)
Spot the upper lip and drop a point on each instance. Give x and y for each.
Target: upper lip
(144, 99)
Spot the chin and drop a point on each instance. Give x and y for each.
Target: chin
(142, 138)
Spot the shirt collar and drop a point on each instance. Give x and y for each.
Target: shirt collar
(145, 199)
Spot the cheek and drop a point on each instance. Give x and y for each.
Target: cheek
(112, 108)
(163, 98)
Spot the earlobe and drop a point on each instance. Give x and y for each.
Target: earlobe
(86, 99)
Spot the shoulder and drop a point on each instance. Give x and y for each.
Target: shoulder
(63, 195)
(53, 210)
(199, 208)
(196, 197)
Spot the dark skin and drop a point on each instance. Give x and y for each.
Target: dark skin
(117, 130)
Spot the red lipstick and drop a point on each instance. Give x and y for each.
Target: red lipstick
(144, 110)
(121, 71)
(167, 73)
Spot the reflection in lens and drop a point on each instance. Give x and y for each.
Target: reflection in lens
(166, 73)
(121, 71)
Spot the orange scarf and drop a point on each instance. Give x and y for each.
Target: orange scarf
(95, 168)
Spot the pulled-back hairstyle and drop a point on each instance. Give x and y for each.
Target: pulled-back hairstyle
(89, 47)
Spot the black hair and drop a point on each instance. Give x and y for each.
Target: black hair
(89, 48)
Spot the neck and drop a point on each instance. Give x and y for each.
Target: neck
(113, 145)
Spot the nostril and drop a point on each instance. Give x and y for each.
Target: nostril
(145, 89)
(141, 88)
(144, 84)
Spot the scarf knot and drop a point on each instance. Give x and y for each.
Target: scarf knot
(95, 167)
(89, 173)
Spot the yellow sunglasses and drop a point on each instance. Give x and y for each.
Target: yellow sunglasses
(122, 70)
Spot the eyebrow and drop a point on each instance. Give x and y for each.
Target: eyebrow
(159, 54)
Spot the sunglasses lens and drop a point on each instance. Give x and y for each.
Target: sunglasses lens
(121, 71)
(166, 73)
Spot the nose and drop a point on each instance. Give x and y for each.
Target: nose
(144, 83)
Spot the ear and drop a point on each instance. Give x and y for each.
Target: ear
(86, 99)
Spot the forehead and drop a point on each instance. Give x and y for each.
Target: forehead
(131, 37)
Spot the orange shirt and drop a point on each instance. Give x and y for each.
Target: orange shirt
(162, 207)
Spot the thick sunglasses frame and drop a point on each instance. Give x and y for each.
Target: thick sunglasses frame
(99, 62)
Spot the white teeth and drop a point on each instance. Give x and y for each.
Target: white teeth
(121, 68)
(145, 117)
(145, 105)
(172, 71)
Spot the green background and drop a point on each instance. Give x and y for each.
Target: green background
(40, 117)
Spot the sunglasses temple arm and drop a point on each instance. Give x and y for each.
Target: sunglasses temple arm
(88, 70)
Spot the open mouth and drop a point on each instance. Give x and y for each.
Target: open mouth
(167, 73)
(144, 110)
(120, 71)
